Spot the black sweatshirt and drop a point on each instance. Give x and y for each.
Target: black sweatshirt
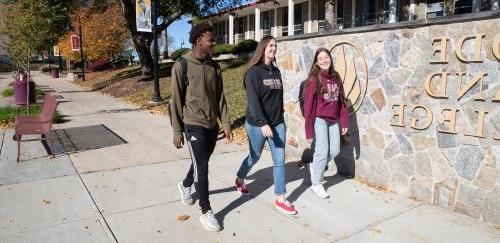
(264, 95)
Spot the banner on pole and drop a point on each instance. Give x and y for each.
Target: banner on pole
(56, 51)
(75, 43)
(143, 15)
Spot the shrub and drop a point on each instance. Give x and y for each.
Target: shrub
(223, 49)
(46, 68)
(245, 46)
(6, 67)
(10, 92)
(179, 53)
(100, 65)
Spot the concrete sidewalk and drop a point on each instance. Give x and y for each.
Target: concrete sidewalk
(126, 191)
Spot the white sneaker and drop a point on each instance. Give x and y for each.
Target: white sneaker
(185, 192)
(319, 190)
(209, 221)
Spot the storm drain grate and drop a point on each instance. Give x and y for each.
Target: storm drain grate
(71, 140)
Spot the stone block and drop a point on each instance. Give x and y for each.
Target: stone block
(412, 94)
(391, 150)
(400, 183)
(403, 164)
(376, 138)
(378, 99)
(440, 165)
(487, 177)
(445, 192)
(421, 188)
(404, 145)
(446, 140)
(390, 88)
(468, 161)
(377, 69)
(422, 143)
(287, 63)
(491, 207)
(391, 49)
(423, 164)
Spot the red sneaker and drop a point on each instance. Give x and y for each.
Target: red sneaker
(285, 207)
(241, 188)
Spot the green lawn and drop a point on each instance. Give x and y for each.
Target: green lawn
(10, 92)
(8, 114)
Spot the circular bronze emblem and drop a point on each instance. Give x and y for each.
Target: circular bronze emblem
(350, 63)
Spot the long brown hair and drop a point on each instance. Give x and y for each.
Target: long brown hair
(315, 69)
(258, 54)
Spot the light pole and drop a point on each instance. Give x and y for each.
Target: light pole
(156, 81)
(81, 45)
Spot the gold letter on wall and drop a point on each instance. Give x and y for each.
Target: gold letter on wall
(496, 46)
(452, 119)
(442, 86)
(428, 118)
(478, 78)
(400, 113)
(441, 49)
(477, 48)
(480, 125)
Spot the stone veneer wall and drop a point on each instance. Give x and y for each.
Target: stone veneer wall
(457, 172)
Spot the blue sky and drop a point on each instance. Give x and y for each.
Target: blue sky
(179, 30)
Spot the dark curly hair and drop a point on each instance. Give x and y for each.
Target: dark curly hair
(198, 30)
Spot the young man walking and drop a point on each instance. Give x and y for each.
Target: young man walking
(197, 103)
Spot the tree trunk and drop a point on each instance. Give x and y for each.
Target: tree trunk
(142, 40)
(165, 44)
(330, 15)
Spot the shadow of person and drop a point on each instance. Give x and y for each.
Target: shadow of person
(262, 181)
(348, 155)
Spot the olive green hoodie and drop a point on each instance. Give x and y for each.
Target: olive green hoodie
(204, 102)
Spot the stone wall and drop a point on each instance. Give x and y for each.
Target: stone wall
(455, 171)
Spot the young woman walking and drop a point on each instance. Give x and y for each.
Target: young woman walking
(264, 119)
(324, 108)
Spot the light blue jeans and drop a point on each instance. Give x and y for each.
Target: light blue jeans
(277, 146)
(327, 145)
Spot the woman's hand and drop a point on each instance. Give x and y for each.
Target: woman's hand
(266, 131)
(310, 140)
(344, 131)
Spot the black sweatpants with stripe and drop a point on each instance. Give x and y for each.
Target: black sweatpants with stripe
(201, 142)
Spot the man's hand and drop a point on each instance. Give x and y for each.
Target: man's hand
(178, 141)
(228, 134)
(266, 131)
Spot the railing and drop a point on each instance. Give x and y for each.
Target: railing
(298, 29)
(266, 32)
(222, 39)
(238, 38)
(435, 10)
(284, 31)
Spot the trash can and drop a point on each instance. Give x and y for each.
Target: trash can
(54, 73)
(20, 90)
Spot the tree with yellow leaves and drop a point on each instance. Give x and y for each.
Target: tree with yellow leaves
(104, 33)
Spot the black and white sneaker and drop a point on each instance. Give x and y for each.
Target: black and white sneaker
(185, 192)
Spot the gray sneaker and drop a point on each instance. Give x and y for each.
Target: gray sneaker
(209, 221)
(186, 196)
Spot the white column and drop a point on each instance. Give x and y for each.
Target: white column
(275, 32)
(309, 17)
(392, 11)
(411, 15)
(257, 25)
(290, 17)
(476, 6)
(231, 29)
(495, 5)
(247, 32)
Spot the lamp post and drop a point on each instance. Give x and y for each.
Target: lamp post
(81, 45)
(156, 81)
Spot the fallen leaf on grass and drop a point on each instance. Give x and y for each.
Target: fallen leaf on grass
(182, 217)
(45, 202)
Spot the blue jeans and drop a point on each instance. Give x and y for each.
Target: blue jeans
(327, 144)
(277, 146)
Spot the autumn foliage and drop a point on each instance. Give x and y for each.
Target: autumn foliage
(104, 34)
